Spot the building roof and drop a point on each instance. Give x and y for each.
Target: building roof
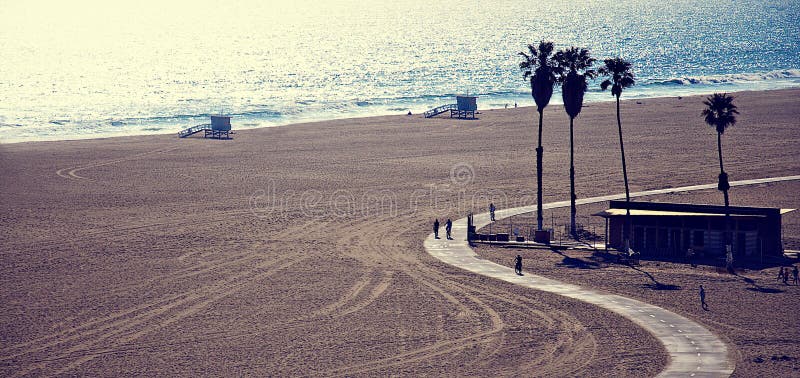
(663, 209)
(621, 212)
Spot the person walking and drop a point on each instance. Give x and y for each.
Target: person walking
(786, 277)
(703, 298)
(518, 265)
(436, 228)
(448, 227)
(491, 211)
(781, 274)
(794, 275)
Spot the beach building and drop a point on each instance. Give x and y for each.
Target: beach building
(671, 230)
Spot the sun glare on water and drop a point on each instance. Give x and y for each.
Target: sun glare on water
(101, 68)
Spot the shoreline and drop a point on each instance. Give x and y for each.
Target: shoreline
(552, 105)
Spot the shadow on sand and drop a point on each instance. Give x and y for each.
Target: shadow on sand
(575, 263)
(655, 285)
(760, 289)
(600, 258)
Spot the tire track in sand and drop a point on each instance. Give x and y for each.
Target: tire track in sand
(126, 330)
(228, 288)
(197, 267)
(83, 342)
(389, 249)
(71, 173)
(361, 294)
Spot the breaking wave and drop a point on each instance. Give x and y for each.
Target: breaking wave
(739, 78)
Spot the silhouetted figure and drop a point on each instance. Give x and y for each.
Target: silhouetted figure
(409, 113)
(491, 211)
(518, 265)
(515, 104)
(470, 228)
(794, 275)
(436, 228)
(786, 277)
(703, 298)
(448, 227)
(781, 275)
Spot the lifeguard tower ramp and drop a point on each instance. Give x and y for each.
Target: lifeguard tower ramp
(465, 108)
(219, 128)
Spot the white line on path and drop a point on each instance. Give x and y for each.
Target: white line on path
(698, 352)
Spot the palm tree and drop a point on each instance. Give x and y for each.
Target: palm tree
(621, 77)
(539, 67)
(720, 113)
(574, 63)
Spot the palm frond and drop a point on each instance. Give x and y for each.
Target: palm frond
(576, 60)
(720, 112)
(539, 67)
(620, 74)
(532, 49)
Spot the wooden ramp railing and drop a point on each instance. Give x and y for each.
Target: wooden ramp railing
(439, 110)
(193, 130)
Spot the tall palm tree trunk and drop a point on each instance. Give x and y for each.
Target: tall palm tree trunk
(728, 236)
(719, 151)
(572, 228)
(539, 153)
(626, 228)
(724, 186)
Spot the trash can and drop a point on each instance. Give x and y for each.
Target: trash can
(542, 236)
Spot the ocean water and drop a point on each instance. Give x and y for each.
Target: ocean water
(84, 69)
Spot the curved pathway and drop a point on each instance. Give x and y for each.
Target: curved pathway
(693, 349)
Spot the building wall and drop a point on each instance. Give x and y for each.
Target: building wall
(672, 239)
(615, 236)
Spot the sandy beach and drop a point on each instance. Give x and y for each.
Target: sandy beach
(297, 250)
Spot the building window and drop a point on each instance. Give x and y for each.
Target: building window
(698, 239)
(675, 241)
(650, 238)
(687, 242)
(662, 238)
(638, 238)
(741, 244)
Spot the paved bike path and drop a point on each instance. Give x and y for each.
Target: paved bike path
(694, 351)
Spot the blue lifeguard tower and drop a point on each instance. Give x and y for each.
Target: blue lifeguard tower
(465, 108)
(219, 128)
